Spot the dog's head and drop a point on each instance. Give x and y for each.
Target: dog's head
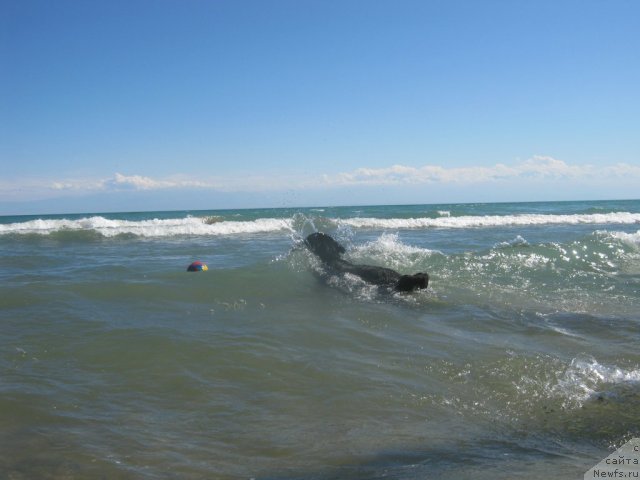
(324, 247)
(409, 283)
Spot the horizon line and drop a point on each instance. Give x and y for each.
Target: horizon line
(114, 212)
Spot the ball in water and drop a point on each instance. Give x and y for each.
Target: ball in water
(197, 267)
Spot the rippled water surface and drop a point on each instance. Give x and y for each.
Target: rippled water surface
(520, 360)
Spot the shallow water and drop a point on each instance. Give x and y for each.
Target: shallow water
(519, 361)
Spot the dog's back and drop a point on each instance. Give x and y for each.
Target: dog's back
(330, 252)
(324, 247)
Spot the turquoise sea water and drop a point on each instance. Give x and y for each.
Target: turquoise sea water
(520, 361)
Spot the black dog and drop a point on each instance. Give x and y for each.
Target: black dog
(330, 252)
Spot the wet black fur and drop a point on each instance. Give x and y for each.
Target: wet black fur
(330, 252)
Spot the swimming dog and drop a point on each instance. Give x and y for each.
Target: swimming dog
(330, 253)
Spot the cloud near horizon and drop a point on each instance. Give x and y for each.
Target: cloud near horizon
(122, 182)
(535, 168)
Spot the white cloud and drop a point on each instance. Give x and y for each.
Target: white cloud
(77, 185)
(138, 182)
(537, 167)
(126, 182)
(622, 170)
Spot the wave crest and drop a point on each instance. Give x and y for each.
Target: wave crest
(388, 250)
(469, 221)
(218, 226)
(586, 378)
(147, 228)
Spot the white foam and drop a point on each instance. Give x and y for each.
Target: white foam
(354, 285)
(519, 241)
(585, 377)
(564, 331)
(148, 228)
(493, 221)
(632, 239)
(388, 250)
(198, 226)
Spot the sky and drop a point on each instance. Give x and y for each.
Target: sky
(129, 105)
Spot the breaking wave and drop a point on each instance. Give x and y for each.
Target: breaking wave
(586, 378)
(218, 226)
(631, 239)
(388, 250)
(148, 228)
(494, 221)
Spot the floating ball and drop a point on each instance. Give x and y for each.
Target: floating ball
(197, 267)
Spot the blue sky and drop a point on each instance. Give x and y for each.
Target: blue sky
(189, 104)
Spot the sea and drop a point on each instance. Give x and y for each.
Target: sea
(520, 361)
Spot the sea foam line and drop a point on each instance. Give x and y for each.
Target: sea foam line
(147, 228)
(198, 226)
(493, 220)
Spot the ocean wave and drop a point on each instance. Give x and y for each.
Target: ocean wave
(147, 228)
(632, 239)
(470, 221)
(217, 226)
(586, 378)
(519, 241)
(389, 251)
